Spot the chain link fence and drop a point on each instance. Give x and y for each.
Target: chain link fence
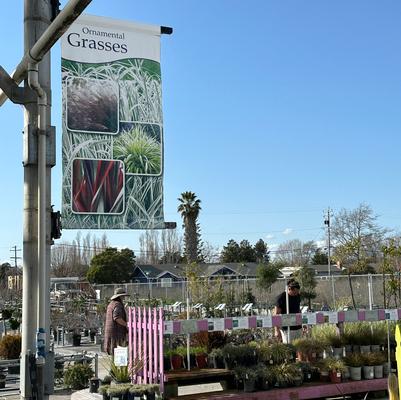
(334, 291)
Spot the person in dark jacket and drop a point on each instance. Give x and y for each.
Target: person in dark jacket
(115, 328)
(294, 300)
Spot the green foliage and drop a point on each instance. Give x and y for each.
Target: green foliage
(261, 251)
(119, 374)
(333, 364)
(189, 209)
(77, 376)
(320, 258)
(307, 280)
(244, 252)
(10, 347)
(112, 266)
(14, 324)
(140, 152)
(286, 373)
(274, 351)
(267, 274)
(6, 314)
(354, 360)
(245, 374)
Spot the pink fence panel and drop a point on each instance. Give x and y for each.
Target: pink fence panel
(145, 345)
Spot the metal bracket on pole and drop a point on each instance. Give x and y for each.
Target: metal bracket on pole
(31, 146)
(18, 95)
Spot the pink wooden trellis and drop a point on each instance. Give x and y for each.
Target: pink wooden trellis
(145, 342)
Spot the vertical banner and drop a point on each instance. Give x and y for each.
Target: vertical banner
(112, 125)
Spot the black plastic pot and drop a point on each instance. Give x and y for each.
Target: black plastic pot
(249, 386)
(94, 384)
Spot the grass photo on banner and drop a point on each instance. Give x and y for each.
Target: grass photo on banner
(97, 186)
(139, 147)
(141, 121)
(92, 105)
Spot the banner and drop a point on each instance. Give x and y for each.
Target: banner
(112, 125)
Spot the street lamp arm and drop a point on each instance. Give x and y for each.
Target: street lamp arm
(72, 10)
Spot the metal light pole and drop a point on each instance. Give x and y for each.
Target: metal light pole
(331, 279)
(40, 34)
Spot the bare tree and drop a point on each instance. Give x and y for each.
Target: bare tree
(73, 259)
(148, 247)
(357, 238)
(164, 248)
(296, 253)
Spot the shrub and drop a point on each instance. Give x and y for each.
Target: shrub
(10, 347)
(77, 376)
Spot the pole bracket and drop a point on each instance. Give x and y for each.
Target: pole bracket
(18, 95)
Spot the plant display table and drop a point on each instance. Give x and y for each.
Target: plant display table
(196, 376)
(306, 391)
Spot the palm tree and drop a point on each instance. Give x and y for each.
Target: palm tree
(189, 208)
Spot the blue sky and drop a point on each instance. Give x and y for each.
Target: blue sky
(273, 111)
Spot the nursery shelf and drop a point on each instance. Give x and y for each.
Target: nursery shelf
(307, 391)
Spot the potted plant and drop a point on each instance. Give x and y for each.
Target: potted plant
(94, 384)
(177, 357)
(247, 376)
(287, 374)
(117, 392)
(275, 353)
(323, 370)
(368, 360)
(200, 356)
(308, 348)
(151, 390)
(336, 343)
(77, 376)
(378, 360)
(265, 377)
(135, 392)
(103, 390)
(216, 358)
(354, 362)
(336, 368)
(10, 349)
(306, 369)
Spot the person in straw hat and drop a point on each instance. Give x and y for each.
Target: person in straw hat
(115, 328)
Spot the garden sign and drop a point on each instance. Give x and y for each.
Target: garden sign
(112, 147)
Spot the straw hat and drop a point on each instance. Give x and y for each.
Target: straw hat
(119, 292)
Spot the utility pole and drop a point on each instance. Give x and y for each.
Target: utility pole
(15, 258)
(331, 279)
(40, 34)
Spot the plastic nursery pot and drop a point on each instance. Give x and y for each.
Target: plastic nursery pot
(335, 377)
(201, 361)
(378, 371)
(94, 384)
(167, 363)
(365, 349)
(176, 361)
(368, 372)
(355, 373)
(249, 386)
(324, 376)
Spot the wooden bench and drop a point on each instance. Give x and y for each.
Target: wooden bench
(174, 379)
